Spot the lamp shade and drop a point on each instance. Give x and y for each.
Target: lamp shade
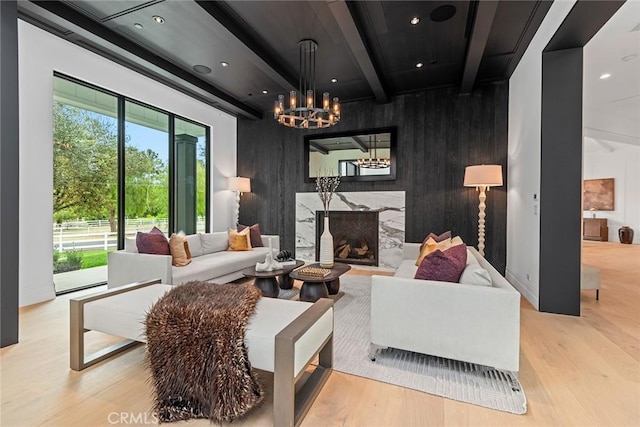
(483, 175)
(238, 183)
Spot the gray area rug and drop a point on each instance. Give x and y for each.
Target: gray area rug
(292, 293)
(466, 382)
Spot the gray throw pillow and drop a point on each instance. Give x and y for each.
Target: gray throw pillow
(130, 245)
(475, 275)
(214, 242)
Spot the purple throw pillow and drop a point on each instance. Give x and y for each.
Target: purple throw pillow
(254, 234)
(444, 266)
(153, 242)
(444, 236)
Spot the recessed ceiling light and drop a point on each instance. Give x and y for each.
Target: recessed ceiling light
(629, 57)
(334, 80)
(265, 92)
(159, 19)
(202, 69)
(419, 65)
(138, 25)
(224, 64)
(415, 20)
(605, 76)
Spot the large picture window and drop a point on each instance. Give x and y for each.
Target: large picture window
(120, 166)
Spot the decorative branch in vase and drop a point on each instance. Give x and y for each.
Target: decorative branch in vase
(326, 185)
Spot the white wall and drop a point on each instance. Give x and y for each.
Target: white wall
(525, 103)
(622, 162)
(40, 54)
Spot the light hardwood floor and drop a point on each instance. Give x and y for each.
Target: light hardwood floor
(575, 371)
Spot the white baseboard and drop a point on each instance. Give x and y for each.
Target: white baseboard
(523, 286)
(36, 293)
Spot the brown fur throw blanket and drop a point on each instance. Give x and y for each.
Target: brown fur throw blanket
(195, 349)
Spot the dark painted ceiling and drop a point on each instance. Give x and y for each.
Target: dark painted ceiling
(370, 47)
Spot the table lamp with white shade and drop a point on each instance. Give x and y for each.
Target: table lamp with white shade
(239, 185)
(482, 177)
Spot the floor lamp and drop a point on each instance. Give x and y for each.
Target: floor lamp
(239, 185)
(482, 177)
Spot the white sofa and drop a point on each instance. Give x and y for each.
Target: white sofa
(210, 261)
(470, 323)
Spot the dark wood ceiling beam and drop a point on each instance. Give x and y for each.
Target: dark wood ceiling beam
(360, 144)
(485, 12)
(242, 38)
(156, 67)
(354, 41)
(319, 148)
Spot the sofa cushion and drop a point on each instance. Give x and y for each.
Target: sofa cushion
(153, 242)
(475, 275)
(407, 269)
(254, 234)
(214, 242)
(239, 240)
(471, 259)
(217, 264)
(130, 245)
(194, 245)
(444, 266)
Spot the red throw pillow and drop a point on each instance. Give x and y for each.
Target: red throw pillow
(444, 236)
(444, 266)
(153, 242)
(254, 234)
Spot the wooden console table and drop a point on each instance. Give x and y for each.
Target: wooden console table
(595, 229)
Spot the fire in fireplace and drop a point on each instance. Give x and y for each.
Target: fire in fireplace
(355, 236)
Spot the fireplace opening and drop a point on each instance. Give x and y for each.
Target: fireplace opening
(355, 236)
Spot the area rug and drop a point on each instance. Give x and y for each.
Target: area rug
(465, 382)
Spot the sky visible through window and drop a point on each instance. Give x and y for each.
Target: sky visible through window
(144, 137)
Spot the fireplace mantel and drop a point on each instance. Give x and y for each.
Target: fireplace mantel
(391, 227)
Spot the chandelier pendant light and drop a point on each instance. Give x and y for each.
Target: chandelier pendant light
(374, 162)
(302, 112)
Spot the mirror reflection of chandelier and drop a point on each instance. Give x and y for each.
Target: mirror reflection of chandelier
(302, 112)
(374, 162)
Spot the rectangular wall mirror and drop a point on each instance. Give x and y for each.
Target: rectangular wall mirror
(360, 155)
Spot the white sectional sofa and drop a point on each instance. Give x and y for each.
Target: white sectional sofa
(210, 261)
(470, 323)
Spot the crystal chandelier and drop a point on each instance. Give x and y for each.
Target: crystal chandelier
(374, 162)
(302, 112)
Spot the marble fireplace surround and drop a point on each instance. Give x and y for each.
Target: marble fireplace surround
(391, 226)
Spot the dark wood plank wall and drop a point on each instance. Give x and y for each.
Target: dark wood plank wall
(439, 133)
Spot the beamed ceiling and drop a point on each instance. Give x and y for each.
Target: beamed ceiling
(370, 47)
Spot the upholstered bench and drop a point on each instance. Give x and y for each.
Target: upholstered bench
(282, 337)
(590, 279)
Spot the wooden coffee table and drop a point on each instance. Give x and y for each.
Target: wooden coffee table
(314, 288)
(266, 280)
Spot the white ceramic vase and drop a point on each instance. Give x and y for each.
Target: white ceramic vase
(326, 246)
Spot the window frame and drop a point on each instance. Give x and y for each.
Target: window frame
(121, 113)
